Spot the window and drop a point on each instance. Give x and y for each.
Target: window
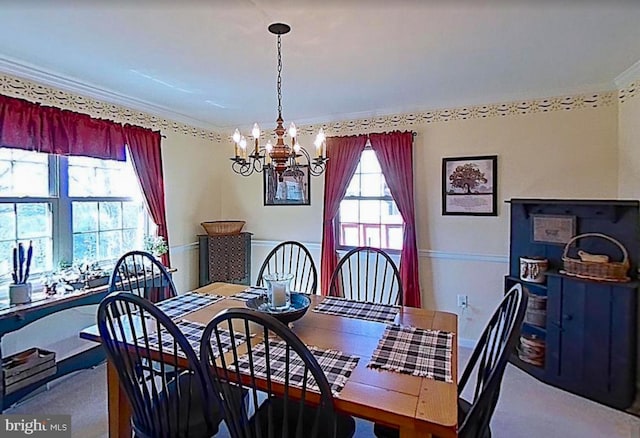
(368, 214)
(73, 209)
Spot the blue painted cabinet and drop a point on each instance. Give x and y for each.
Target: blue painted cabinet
(590, 333)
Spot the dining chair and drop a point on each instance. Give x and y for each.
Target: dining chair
(367, 274)
(141, 273)
(276, 372)
(292, 257)
(169, 400)
(485, 368)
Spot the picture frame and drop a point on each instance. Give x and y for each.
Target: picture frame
(294, 189)
(552, 229)
(469, 186)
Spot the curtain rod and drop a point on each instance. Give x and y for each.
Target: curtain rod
(412, 133)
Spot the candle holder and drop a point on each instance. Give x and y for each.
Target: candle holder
(278, 291)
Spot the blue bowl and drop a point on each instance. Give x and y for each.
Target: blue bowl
(299, 305)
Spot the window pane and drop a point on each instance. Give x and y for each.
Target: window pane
(372, 235)
(27, 156)
(131, 239)
(81, 181)
(42, 260)
(110, 245)
(370, 212)
(23, 173)
(354, 186)
(132, 215)
(30, 179)
(110, 215)
(7, 223)
(351, 235)
(390, 213)
(105, 230)
(24, 223)
(6, 178)
(6, 261)
(85, 216)
(349, 211)
(34, 220)
(102, 178)
(394, 237)
(372, 184)
(369, 162)
(84, 247)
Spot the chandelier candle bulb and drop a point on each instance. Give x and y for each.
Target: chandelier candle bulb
(243, 146)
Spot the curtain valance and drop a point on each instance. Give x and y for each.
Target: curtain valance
(31, 126)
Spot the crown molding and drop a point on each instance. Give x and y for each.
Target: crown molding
(628, 76)
(72, 85)
(51, 89)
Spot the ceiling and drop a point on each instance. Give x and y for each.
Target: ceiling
(213, 63)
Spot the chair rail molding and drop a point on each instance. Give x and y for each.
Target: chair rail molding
(423, 253)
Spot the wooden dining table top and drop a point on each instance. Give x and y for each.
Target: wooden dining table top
(418, 406)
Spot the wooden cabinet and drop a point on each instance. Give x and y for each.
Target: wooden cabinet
(225, 258)
(590, 330)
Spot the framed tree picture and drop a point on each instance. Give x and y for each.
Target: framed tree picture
(293, 189)
(469, 186)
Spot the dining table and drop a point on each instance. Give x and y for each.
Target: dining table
(417, 406)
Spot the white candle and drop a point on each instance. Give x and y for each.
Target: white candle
(279, 295)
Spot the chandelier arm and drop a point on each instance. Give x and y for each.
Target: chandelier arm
(242, 167)
(316, 168)
(258, 164)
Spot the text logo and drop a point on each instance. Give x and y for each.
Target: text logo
(35, 426)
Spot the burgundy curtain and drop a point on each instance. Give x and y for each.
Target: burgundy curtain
(31, 126)
(344, 155)
(395, 153)
(144, 147)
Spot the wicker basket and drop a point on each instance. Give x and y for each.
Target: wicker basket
(536, 317)
(223, 228)
(606, 271)
(532, 350)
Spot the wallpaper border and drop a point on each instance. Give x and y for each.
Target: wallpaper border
(629, 92)
(17, 87)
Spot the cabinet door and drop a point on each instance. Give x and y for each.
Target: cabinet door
(592, 340)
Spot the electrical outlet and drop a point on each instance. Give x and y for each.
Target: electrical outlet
(463, 301)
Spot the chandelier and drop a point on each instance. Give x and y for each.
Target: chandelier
(279, 156)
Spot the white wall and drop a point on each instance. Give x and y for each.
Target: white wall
(557, 154)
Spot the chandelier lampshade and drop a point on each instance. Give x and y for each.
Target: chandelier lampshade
(280, 156)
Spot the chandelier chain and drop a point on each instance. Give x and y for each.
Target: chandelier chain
(279, 78)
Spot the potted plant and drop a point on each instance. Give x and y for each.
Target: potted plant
(156, 245)
(20, 289)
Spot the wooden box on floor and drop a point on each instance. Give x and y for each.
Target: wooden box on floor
(27, 367)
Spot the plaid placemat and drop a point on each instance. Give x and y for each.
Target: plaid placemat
(337, 366)
(411, 350)
(193, 332)
(180, 305)
(358, 309)
(248, 293)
